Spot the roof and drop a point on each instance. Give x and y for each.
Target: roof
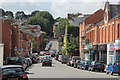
(7, 66)
(114, 10)
(76, 21)
(95, 17)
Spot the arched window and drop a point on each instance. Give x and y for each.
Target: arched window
(108, 33)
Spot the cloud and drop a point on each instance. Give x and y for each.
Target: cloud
(58, 8)
(63, 8)
(59, 0)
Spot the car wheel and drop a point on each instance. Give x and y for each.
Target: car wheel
(107, 72)
(111, 73)
(61, 62)
(92, 69)
(89, 69)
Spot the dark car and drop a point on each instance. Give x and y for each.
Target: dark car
(76, 63)
(34, 57)
(17, 61)
(64, 59)
(46, 61)
(95, 65)
(13, 72)
(85, 64)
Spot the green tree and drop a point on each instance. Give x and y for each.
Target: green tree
(9, 13)
(44, 19)
(2, 13)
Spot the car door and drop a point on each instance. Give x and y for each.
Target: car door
(116, 65)
(109, 68)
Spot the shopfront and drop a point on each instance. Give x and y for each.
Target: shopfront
(102, 53)
(113, 52)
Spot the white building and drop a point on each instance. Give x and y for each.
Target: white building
(113, 51)
(1, 54)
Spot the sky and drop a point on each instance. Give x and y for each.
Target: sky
(58, 8)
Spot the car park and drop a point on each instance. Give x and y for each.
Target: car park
(13, 72)
(96, 65)
(113, 67)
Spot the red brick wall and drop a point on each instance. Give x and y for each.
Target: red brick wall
(6, 37)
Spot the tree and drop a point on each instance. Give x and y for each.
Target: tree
(44, 19)
(2, 13)
(34, 13)
(9, 13)
(19, 14)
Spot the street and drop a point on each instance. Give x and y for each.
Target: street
(59, 70)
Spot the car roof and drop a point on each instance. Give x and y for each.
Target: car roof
(7, 66)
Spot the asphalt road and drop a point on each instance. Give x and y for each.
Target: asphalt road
(59, 70)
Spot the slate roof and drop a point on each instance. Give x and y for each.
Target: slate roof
(114, 10)
(76, 21)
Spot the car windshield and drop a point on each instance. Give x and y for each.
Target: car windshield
(88, 62)
(14, 60)
(98, 63)
(117, 63)
(12, 70)
(46, 59)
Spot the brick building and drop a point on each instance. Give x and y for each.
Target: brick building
(6, 37)
(101, 39)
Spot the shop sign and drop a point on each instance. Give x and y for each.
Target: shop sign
(102, 47)
(114, 46)
(90, 46)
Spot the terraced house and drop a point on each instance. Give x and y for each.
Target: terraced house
(100, 34)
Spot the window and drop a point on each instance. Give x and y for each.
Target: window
(118, 31)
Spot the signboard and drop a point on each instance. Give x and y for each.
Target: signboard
(90, 46)
(114, 46)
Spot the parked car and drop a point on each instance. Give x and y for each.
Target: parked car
(46, 61)
(13, 72)
(113, 67)
(59, 58)
(68, 63)
(95, 65)
(64, 59)
(34, 57)
(17, 61)
(85, 64)
(74, 58)
(76, 63)
(52, 52)
(29, 62)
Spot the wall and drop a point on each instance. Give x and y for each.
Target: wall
(1, 54)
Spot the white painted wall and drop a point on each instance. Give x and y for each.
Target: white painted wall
(1, 54)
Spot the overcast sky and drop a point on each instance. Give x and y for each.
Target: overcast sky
(58, 8)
